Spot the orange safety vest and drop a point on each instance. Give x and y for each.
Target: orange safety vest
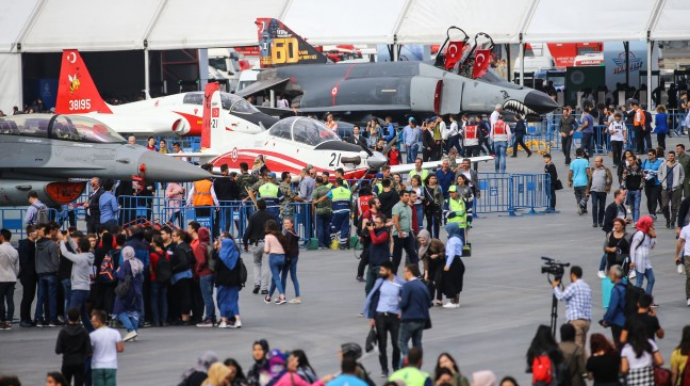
(641, 120)
(202, 193)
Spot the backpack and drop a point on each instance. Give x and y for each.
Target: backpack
(163, 269)
(684, 379)
(41, 216)
(107, 270)
(211, 259)
(632, 296)
(542, 370)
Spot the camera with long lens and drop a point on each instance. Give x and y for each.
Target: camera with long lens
(553, 267)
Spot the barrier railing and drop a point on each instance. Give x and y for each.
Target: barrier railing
(494, 193)
(529, 191)
(12, 219)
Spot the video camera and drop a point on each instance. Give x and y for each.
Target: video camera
(553, 267)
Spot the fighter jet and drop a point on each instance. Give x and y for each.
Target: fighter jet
(178, 114)
(42, 152)
(288, 146)
(356, 91)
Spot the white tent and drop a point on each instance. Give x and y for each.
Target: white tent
(51, 25)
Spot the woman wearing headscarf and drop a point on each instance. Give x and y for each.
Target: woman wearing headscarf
(642, 242)
(228, 282)
(454, 269)
(430, 252)
(196, 375)
(260, 355)
(483, 378)
(291, 375)
(129, 306)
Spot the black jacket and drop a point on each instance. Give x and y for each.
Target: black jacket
(94, 209)
(27, 258)
(683, 212)
(226, 189)
(182, 258)
(255, 228)
(609, 215)
(74, 344)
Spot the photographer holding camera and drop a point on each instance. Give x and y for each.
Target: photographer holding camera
(578, 303)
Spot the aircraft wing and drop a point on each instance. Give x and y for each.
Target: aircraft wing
(260, 85)
(355, 108)
(406, 168)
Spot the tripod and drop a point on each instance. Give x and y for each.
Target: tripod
(554, 315)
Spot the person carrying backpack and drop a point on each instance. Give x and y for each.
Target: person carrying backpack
(642, 242)
(680, 360)
(205, 270)
(544, 358)
(615, 313)
(570, 372)
(37, 213)
(161, 272)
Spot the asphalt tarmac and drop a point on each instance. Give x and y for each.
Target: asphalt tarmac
(505, 298)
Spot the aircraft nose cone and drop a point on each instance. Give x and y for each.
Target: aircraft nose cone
(540, 102)
(161, 168)
(376, 161)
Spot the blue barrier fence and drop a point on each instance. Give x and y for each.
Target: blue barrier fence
(510, 193)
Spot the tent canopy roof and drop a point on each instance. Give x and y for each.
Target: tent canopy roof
(51, 25)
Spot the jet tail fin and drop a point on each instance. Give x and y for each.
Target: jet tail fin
(280, 46)
(212, 118)
(77, 93)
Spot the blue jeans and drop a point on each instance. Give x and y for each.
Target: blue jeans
(634, 198)
(420, 214)
(649, 274)
(130, 320)
(67, 293)
(159, 302)
(410, 330)
(206, 286)
(293, 276)
(341, 222)
(47, 292)
(277, 263)
(411, 153)
(500, 148)
(602, 263)
(323, 229)
(78, 300)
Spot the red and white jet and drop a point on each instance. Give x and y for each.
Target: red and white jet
(288, 146)
(179, 114)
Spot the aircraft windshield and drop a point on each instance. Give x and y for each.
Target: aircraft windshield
(82, 129)
(63, 127)
(306, 131)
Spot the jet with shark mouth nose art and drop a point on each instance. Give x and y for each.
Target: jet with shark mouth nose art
(356, 92)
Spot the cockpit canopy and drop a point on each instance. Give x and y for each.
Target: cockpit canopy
(303, 130)
(62, 127)
(230, 102)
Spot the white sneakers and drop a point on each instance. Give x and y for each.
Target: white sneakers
(601, 274)
(632, 274)
(237, 324)
(132, 335)
(451, 305)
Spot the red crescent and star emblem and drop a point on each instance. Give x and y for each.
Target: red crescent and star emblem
(234, 154)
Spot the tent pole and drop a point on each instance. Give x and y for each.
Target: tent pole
(650, 47)
(396, 48)
(626, 47)
(147, 80)
(509, 70)
(522, 62)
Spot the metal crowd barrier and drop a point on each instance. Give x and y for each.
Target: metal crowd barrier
(510, 193)
(12, 219)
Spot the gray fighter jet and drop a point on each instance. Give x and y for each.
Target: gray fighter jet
(399, 89)
(42, 152)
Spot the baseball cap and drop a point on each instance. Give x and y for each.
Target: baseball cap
(412, 119)
(453, 188)
(272, 175)
(379, 175)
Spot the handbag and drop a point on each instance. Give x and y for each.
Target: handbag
(123, 287)
(371, 341)
(662, 376)
(558, 185)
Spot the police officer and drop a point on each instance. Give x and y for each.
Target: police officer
(341, 198)
(287, 209)
(454, 210)
(270, 193)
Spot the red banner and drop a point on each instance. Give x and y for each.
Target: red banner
(453, 54)
(482, 59)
